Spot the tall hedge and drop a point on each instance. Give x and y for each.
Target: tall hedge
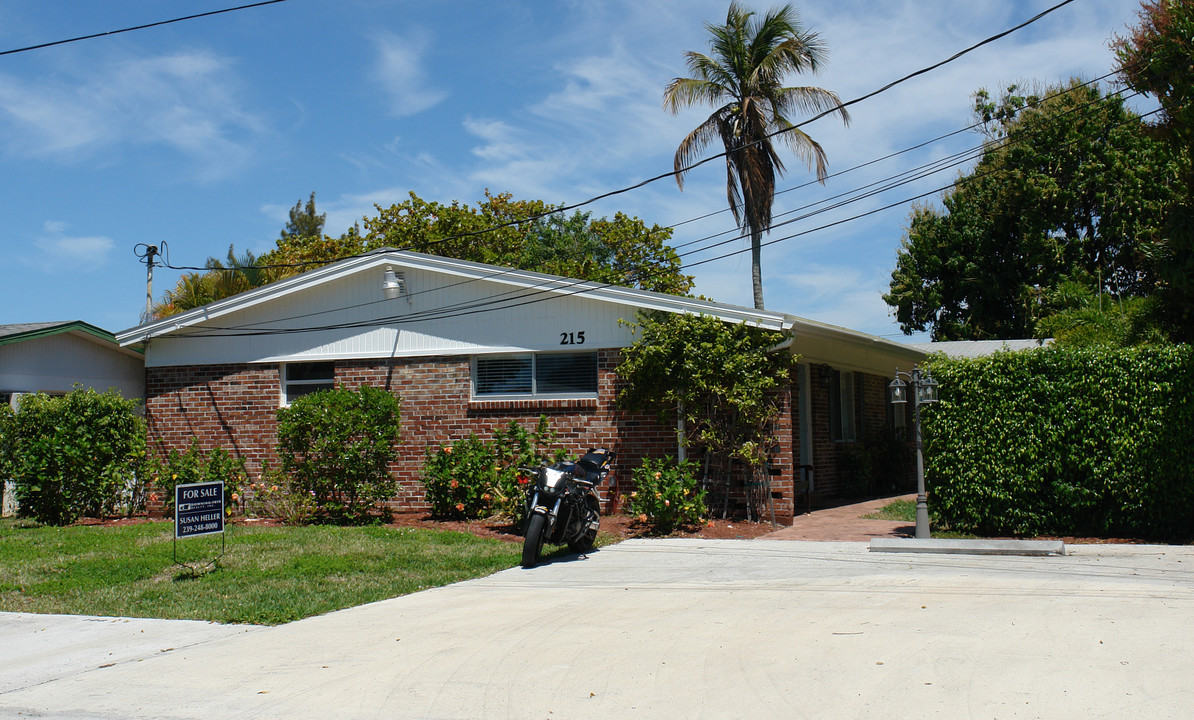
(74, 455)
(1094, 442)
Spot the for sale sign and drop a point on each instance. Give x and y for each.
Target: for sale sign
(198, 509)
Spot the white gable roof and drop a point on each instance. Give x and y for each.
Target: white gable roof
(452, 307)
(448, 307)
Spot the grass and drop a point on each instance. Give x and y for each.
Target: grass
(269, 575)
(896, 511)
(905, 511)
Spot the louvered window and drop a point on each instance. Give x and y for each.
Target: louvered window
(536, 375)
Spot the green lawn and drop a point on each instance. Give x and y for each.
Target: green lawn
(268, 575)
(896, 510)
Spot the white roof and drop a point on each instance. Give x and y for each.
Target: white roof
(454, 306)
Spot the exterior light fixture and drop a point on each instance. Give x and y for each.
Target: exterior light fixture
(391, 284)
(924, 390)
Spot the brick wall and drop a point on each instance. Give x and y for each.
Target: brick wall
(235, 406)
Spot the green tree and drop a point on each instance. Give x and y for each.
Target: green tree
(743, 78)
(718, 376)
(1067, 185)
(1157, 57)
(500, 231)
(304, 221)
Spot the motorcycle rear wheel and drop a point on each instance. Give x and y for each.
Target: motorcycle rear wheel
(532, 543)
(588, 540)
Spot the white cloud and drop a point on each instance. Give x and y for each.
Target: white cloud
(399, 70)
(188, 101)
(58, 251)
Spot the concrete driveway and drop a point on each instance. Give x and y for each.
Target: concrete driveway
(674, 629)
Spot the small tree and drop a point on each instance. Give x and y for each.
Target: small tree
(74, 455)
(337, 445)
(718, 376)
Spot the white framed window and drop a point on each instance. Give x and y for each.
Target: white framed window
(300, 379)
(548, 375)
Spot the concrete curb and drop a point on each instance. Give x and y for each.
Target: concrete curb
(969, 547)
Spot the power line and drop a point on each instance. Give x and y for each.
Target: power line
(551, 288)
(673, 173)
(138, 27)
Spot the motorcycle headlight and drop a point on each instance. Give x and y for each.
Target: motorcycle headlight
(553, 479)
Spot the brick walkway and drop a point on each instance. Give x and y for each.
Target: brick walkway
(844, 523)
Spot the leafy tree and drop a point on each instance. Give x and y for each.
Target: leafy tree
(720, 377)
(1079, 317)
(502, 231)
(1066, 187)
(743, 78)
(304, 221)
(1157, 57)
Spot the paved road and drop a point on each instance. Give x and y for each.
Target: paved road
(674, 629)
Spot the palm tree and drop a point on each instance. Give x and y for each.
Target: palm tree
(743, 79)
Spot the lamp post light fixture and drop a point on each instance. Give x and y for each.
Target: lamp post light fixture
(924, 390)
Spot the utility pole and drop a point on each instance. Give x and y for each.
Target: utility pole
(148, 257)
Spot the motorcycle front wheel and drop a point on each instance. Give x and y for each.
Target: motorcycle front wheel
(532, 543)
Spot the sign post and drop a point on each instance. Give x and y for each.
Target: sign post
(198, 510)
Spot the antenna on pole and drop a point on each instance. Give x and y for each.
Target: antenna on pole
(147, 253)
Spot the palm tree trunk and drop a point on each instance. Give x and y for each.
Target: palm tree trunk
(756, 269)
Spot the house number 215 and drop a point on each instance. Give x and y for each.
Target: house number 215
(572, 338)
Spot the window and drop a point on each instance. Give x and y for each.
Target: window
(841, 405)
(548, 375)
(300, 379)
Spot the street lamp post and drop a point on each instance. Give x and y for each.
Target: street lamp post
(924, 390)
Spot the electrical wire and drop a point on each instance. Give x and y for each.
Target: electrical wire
(673, 173)
(551, 287)
(138, 27)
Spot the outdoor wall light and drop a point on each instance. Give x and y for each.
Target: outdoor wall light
(391, 284)
(924, 390)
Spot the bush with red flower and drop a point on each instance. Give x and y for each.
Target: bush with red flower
(475, 478)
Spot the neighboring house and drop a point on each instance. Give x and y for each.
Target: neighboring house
(54, 357)
(469, 347)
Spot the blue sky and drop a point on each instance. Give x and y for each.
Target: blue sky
(205, 133)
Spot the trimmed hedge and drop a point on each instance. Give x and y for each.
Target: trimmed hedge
(74, 455)
(1093, 442)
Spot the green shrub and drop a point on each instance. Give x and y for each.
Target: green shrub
(337, 445)
(1089, 442)
(516, 447)
(74, 455)
(666, 494)
(475, 478)
(197, 466)
(457, 478)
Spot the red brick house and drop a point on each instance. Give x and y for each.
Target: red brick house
(469, 347)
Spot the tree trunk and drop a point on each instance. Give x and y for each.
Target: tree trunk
(756, 268)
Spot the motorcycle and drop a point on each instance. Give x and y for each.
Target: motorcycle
(562, 505)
